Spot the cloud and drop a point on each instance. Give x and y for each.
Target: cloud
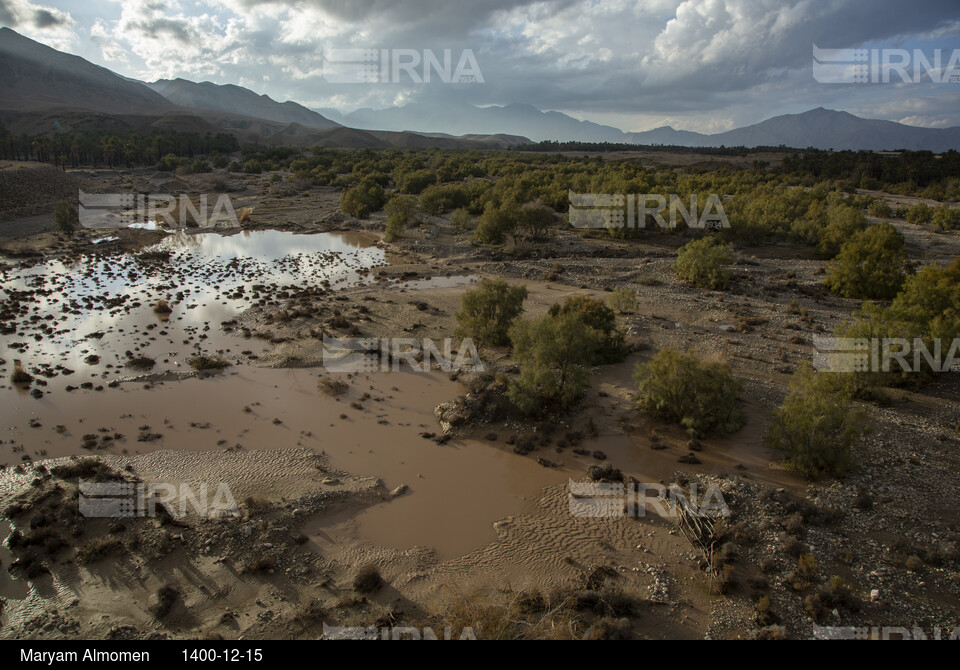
(52, 26)
(702, 63)
(23, 14)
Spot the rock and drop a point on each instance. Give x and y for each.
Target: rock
(399, 491)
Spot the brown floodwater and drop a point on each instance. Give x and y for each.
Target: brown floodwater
(102, 306)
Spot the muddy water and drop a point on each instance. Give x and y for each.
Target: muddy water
(102, 306)
(456, 491)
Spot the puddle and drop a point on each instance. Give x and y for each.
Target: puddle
(103, 305)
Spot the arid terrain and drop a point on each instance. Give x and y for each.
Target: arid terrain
(411, 498)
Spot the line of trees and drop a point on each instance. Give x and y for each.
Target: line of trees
(112, 149)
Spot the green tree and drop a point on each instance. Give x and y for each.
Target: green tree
(705, 263)
(817, 424)
(487, 312)
(555, 353)
(702, 396)
(946, 218)
(497, 222)
(401, 212)
(363, 199)
(460, 220)
(871, 265)
(920, 214)
(535, 220)
(843, 222)
(623, 301)
(595, 314)
(66, 218)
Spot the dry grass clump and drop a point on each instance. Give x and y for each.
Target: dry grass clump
(167, 597)
(520, 615)
(98, 549)
(162, 307)
(333, 387)
(368, 580)
(19, 375)
(140, 362)
(201, 363)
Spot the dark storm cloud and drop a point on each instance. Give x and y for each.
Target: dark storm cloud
(174, 28)
(43, 18)
(21, 14)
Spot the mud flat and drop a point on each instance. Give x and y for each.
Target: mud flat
(466, 518)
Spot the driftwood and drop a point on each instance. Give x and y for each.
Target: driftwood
(699, 529)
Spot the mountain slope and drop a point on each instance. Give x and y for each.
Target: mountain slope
(465, 119)
(237, 100)
(828, 129)
(34, 76)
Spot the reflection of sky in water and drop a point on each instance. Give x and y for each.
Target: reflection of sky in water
(206, 267)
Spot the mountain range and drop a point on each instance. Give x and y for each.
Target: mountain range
(43, 90)
(819, 128)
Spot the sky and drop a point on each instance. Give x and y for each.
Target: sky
(703, 65)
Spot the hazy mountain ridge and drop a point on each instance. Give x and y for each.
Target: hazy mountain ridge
(236, 99)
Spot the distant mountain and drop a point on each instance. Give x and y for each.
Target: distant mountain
(237, 100)
(35, 77)
(464, 119)
(819, 128)
(828, 129)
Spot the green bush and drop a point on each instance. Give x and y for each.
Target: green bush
(252, 167)
(497, 222)
(705, 263)
(927, 308)
(555, 354)
(702, 396)
(871, 265)
(623, 301)
(946, 218)
(460, 220)
(843, 222)
(595, 314)
(487, 312)
(920, 214)
(535, 220)
(363, 199)
(880, 209)
(438, 199)
(817, 424)
(168, 163)
(66, 218)
(416, 181)
(401, 212)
